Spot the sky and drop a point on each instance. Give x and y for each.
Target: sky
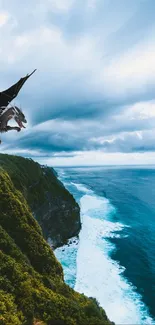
(92, 99)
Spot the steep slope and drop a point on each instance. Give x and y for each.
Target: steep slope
(52, 205)
(32, 289)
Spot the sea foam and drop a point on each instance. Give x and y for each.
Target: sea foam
(81, 188)
(91, 269)
(97, 274)
(67, 255)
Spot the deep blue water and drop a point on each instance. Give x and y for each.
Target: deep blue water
(125, 238)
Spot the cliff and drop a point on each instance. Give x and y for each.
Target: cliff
(52, 205)
(32, 288)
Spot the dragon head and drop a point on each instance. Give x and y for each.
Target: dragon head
(19, 117)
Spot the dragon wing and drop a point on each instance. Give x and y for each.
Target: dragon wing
(9, 94)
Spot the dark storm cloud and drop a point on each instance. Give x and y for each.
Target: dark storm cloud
(133, 142)
(95, 60)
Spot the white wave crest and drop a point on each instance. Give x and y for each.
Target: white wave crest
(82, 188)
(97, 274)
(90, 265)
(67, 255)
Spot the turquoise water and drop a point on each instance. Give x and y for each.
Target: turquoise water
(114, 259)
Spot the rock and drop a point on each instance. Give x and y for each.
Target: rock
(32, 287)
(51, 203)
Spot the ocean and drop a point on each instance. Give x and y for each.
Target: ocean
(114, 258)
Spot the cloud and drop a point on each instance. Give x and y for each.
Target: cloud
(4, 16)
(133, 72)
(130, 130)
(137, 141)
(98, 158)
(61, 5)
(94, 86)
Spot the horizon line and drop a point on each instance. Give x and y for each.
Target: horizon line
(116, 165)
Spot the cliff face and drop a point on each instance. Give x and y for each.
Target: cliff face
(52, 205)
(32, 289)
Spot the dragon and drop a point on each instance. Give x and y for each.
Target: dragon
(7, 113)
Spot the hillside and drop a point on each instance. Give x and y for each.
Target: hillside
(52, 205)
(32, 288)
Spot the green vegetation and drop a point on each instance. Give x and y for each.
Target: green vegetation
(53, 206)
(32, 180)
(32, 289)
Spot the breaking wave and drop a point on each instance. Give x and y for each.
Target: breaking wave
(88, 265)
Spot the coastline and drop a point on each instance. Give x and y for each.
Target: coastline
(29, 268)
(94, 245)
